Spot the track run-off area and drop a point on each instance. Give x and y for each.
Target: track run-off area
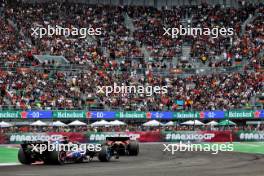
(152, 161)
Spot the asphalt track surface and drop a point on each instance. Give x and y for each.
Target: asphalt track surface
(153, 161)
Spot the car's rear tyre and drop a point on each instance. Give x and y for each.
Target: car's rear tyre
(80, 160)
(105, 154)
(133, 148)
(23, 158)
(56, 157)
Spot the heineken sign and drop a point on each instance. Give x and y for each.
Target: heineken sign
(131, 114)
(69, 114)
(245, 114)
(186, 115)
(10, 114)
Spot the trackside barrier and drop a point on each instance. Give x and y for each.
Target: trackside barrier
(150, 136)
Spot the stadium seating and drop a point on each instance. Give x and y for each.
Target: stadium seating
(131, 50)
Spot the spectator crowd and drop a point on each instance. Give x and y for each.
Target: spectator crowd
(129, 34)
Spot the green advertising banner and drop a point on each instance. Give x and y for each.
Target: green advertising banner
(10, 114)
(131, 114)
(69, 114)
(240, 114)
(186, 115)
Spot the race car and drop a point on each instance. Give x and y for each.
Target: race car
(122, 146)
(26, 154)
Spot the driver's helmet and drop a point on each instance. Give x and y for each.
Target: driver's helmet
(65, 140)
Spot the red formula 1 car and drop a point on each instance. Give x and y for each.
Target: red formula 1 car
(122, 146)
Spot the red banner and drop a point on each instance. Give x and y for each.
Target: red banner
(147, 136)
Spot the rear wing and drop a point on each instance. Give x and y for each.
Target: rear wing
(25, 145)
(117, 138)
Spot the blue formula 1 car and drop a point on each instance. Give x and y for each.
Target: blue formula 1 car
(31, 152)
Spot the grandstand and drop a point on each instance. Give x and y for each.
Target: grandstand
(163, 73)
(204, 73)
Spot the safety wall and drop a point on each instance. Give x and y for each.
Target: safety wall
(146, 136)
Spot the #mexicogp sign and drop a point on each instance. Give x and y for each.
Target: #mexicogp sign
(250, 135)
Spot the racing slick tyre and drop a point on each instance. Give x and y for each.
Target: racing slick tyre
(133, 148)
(56, 157)
(105, 154)
(23, 158)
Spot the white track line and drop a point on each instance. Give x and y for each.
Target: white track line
(9, 164)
